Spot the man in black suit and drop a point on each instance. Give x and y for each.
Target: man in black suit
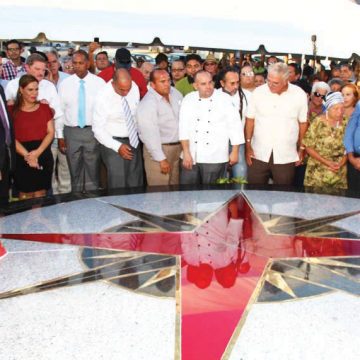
(7, 149)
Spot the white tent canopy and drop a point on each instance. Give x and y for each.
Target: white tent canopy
(280, 25)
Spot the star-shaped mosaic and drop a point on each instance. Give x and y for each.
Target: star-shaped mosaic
(218, 263)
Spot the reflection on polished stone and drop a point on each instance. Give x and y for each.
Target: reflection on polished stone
(173, 211)
(296, 279)
(148, 274)
(319, 227)
(152, 222)
(235, 250)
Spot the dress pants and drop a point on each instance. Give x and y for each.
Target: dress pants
(260, 172)
(83, 155)
(353, 176)
(123, 173)
(152, 168)
(61, 181)
(5, 182)
(202, 174)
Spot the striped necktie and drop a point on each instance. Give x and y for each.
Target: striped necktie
(5, 124)
(133, 136)
(82, 105)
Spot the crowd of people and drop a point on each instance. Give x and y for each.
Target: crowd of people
(83, 122)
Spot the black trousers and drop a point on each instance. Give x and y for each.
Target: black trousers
(353, 176)
(202, 174)
(5, 182)
(123, 173)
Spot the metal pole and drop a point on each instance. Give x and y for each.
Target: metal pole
(313, 39)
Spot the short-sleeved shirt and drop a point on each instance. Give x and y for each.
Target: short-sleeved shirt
(276, 126)
(30, 126)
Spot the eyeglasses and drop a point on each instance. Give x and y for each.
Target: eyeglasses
(175, 70)
(13, 49)
(250, 73)
(319, 95)
(210, 64)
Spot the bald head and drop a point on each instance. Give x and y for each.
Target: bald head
(121, 82)
(204, 84)
(121, 75)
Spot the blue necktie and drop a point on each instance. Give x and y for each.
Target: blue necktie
(82, 105)
(130, 124)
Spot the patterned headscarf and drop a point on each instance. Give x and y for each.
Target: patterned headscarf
(333, 99)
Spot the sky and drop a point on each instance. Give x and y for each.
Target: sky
(278, 24)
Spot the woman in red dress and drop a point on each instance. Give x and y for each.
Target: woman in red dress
(34, 133)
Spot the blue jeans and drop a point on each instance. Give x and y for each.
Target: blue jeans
(240, 168)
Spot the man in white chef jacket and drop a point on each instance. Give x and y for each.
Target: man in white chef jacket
(208, 121)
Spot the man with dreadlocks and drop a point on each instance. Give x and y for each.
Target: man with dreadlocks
(230, 84)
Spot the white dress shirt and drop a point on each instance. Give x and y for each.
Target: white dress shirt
(109, 119)
(47, 91)
(158, 121)
(69, 95)
(3, 83)
(276, 126)
(209, 124)
(62, 77)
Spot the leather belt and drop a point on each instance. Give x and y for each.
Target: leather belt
(173, 143)
(120, 138)
(79, 127)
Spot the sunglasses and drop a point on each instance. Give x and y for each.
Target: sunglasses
(319, 95)
(250, 73)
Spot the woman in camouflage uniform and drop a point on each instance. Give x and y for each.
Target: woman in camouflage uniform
(324, 144)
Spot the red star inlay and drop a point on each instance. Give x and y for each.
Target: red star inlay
(221, 264)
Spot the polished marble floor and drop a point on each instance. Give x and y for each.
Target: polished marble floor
(235, 273)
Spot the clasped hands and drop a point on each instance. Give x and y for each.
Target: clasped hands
(31, 159)
(333, 166)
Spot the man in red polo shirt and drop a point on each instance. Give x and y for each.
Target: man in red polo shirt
(123, 60)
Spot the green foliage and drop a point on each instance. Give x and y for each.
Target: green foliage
(235, 180)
